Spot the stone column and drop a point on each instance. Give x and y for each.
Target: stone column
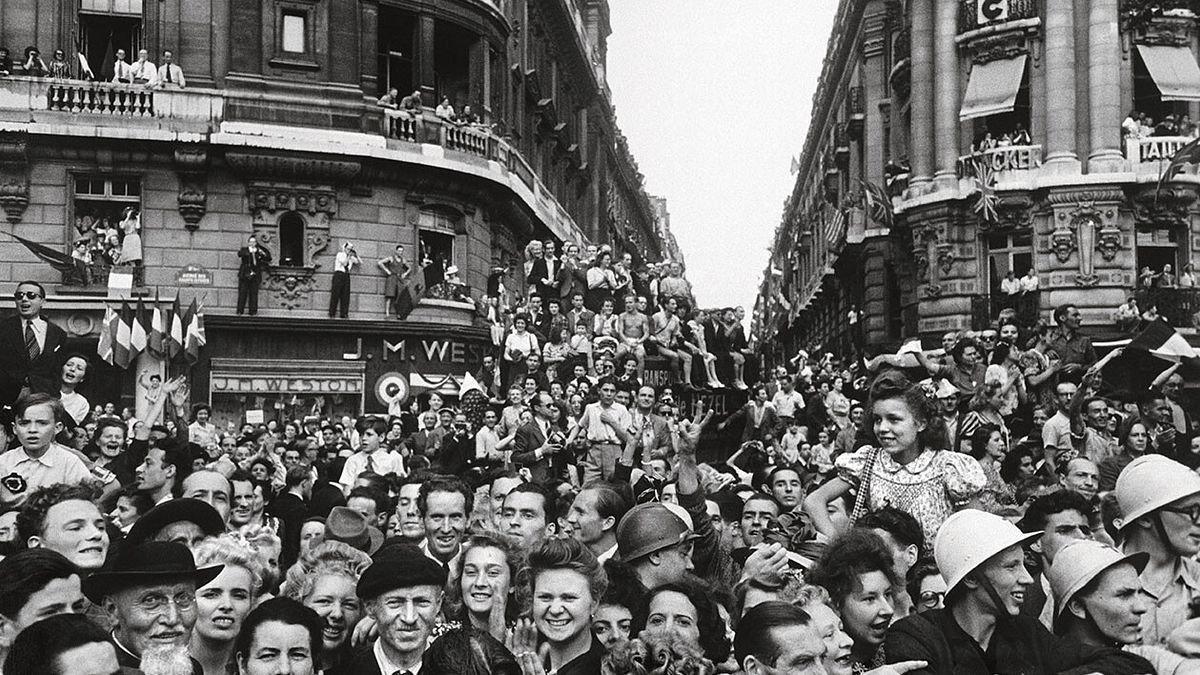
(1104, 98)
(921, 96)
(426, 36)
(945, 85)
(1059, 98)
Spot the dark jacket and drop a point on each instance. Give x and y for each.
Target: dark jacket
(1020, 646)
(455, 453)
(291, 511)
(528, 439)
(252, 265)
(17, 371)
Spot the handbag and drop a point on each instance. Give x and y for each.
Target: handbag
(864, 487)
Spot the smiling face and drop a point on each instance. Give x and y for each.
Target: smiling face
(486, 579)
(334, 599)
(897, 429)
(562, 604)
(223, 603)
(828, 625)
(445, 520)
(405, 617)
(1006, 573)
(867, 611)
(154, 615)
(76, 529)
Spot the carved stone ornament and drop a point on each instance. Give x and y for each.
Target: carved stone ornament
(1062, 242)
(1166, 30)
(258, 166)
(996, 47)
(14, 176)
(1108, 242)
(946, 258)
(1168, 208)
(292, 287)
(14, 198)
(921, 263)
(191, 163)
(1013, 212)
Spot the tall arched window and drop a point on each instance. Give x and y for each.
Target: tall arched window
(291, 239)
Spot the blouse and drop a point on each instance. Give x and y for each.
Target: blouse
(930, 487)
(524, 343)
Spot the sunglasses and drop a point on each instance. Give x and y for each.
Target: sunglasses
(27, 295)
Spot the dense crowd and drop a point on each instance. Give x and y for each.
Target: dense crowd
(986, 507)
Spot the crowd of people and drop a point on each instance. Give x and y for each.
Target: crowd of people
(1140, 125)
(986, 507)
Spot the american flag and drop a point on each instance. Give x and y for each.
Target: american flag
(837, 228)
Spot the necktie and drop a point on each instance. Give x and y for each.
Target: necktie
(31, 343)
(371, 463)
(168, 73)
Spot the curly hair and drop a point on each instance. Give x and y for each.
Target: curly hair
(713, 639)
(565, 554)
(228, 549)
(517, 601)
(31, 520)
(894, 385)
(849, 557)
(327, 558)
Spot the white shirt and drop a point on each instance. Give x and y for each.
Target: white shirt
(384, 463)
(1010, 286)
(453, 564)
(1029, 283)
(786, 403)
(607, 555)
(343, 262)
(122, 72)
(386, 666)
(599, 432)
(57, 465)
(176, 75)
(144, 70)
(39, 331)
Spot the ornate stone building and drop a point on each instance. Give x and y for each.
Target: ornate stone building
(278, 133)
(954, 141)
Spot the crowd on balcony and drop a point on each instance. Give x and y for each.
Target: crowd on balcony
(987, 140)
(1140, 125)
(141, 73)
(413, 105)
(105, 242)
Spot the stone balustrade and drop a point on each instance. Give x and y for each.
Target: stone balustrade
(1001, 159)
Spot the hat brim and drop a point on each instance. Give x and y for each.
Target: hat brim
(685, 536)
(1025, 538)
(174, 511)
(1139, 560)
(102, 584)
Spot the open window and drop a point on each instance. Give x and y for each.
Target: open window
(107, 229)
(452, 64)
(1165, 79)
(396, 46)
(291, 239)
(997, 100)
(106, 26)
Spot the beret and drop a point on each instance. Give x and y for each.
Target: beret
(401, 566)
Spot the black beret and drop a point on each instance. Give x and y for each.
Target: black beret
(401, 566)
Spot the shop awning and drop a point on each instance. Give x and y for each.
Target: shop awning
(1174, 70)
(992, 88)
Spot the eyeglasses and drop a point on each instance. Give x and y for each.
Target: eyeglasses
(156, 602)
(27, 295)
(931, 597)
(1192, 512)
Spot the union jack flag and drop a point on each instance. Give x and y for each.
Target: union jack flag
(985, 181)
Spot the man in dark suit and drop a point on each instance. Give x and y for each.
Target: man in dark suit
(30, 347)
(254, 261)
(537, 444)
(291, 508)
(400, 575)
(457, 449)
(428, 439)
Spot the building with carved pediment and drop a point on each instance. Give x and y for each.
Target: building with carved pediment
(953, 141)
(279, 132)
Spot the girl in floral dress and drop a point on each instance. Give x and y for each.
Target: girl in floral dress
(910, 469)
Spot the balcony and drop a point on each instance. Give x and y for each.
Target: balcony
(973, 14)
(1001, 160)
(985, 309)
(1179, 306)
(1148, 157)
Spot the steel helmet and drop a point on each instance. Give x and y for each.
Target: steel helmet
(969, 538)
(647, 528)
(1078, 563)
(1149, 483)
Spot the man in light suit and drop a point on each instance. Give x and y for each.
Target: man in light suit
(538, 444)
(30, 347)
(654, 430)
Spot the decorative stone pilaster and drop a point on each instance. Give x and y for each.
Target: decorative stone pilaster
(14, 176)
(1086, 223)
(191, 164)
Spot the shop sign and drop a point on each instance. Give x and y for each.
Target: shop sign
(288, 384)
(432, 351)
(193, 275)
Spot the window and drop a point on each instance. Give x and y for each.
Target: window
(107, 227)
(294, 32)
(1146, 96)
(1156, 248)
(396, 46)
(291, 239)
(102, 34)
(1008, 253)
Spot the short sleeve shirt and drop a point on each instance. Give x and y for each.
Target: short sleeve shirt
(57, 465)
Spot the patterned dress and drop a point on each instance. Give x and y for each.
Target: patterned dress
(930, 487)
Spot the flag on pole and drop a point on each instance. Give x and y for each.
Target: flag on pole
(137, 331)
(156, 340)
(1188, 154)
(105, 346)
(194, 338)
(837, 228)
(879, 205)
(175, 330)
(121, 346)
(57, 259)
(1164, 342)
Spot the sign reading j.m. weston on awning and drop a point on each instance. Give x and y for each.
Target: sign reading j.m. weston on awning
(275, 384)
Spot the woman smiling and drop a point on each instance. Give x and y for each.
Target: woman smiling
(566, 584)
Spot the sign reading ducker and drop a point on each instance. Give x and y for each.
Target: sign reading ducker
(193, 275)
(274, 384)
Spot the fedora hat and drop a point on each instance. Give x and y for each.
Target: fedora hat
(191, 510)
(145, 564)
(351, 527)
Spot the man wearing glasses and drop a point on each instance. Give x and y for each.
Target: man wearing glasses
(149, 595)
(29, 347)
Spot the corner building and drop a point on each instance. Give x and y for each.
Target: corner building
(991, 132)
(278, 133)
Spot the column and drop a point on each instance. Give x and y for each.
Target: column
(426, 35)
(477, 88)
(1059, 97)
(1104, 97)
(945, 85)
(921, 96)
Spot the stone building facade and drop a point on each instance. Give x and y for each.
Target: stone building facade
(953, 141)
(278, 133)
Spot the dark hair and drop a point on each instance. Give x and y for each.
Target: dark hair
(713, 640)
(285, 611)
(922, 570)
(851, 555)
(106, 423)
(1060, 312)
(903, 527)
(445, 484)
(31, 282)
(31, 520)
(383, 505)
(295, 476)
(566, 554)
(1039, 512)
(379, 424)
(26, 572)
(760, 496)
(729, 504)
(894, 385)
(469, 651)
(36, 649)
(1010, 468)
(549, 500)
(980, 439)
(624, 588)
(612, 499)
(37, 398)
(961, 345)
(755, 636)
